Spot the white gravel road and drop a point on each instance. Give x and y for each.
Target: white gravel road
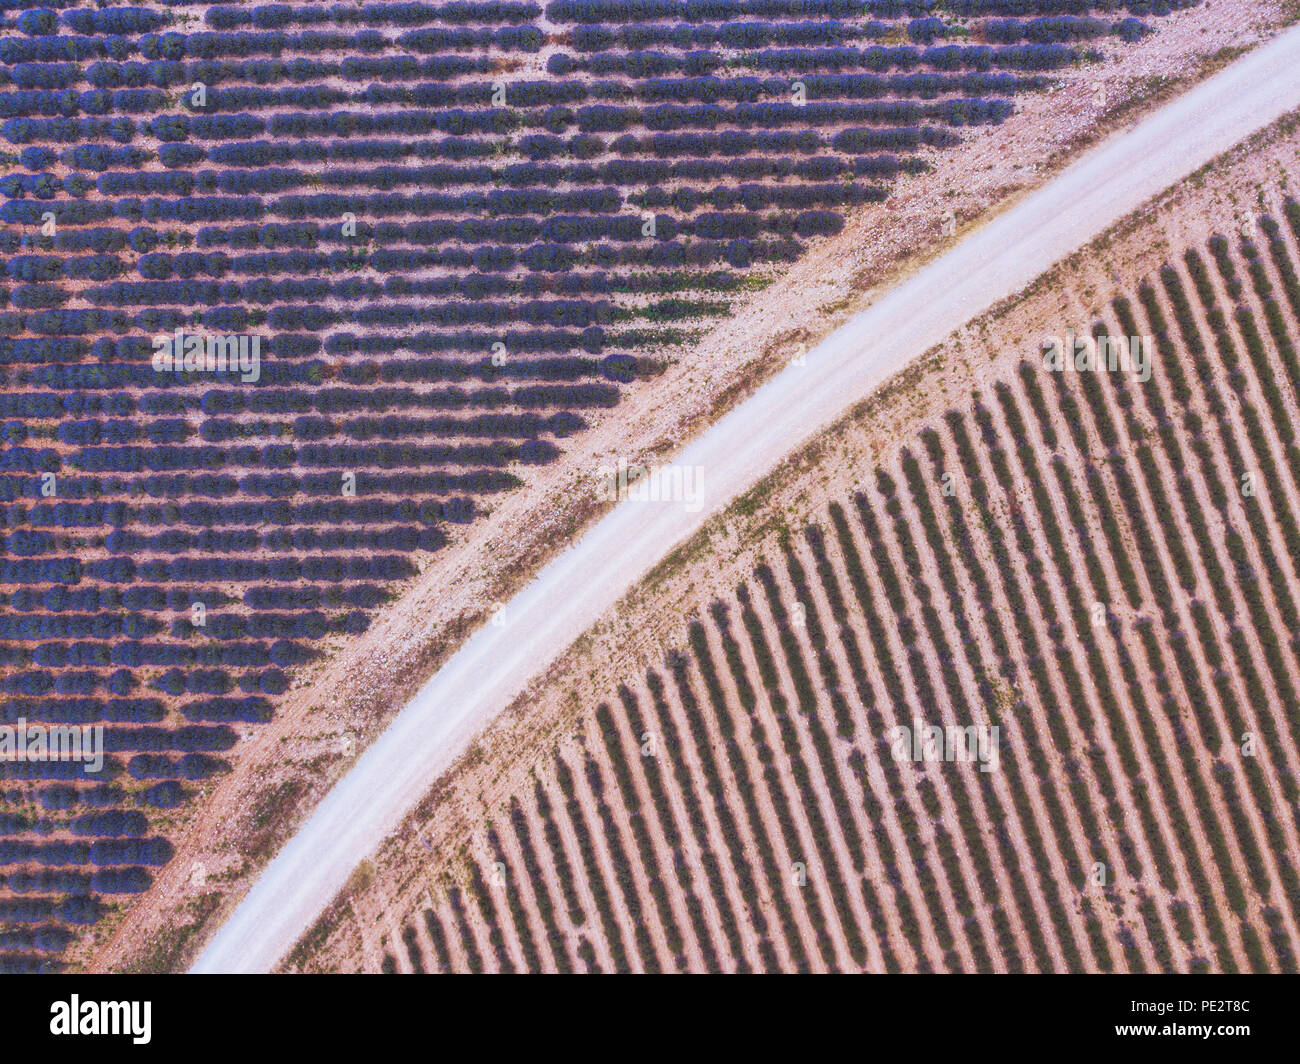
(575, 588)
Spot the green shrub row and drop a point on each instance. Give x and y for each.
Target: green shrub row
(473, 957)
(688, 787)
(625, 877)
(413, 952)
(541, 890)
(960, 781)
(488, 910)
(1028, 826)
(514, 900)
(909, 924)
(1170, 704)
(624, 776)
(780, 802)
(438, 936)
(600, 892)
(925, 695)
(559, 857)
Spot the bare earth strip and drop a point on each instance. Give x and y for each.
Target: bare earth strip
(573, 590)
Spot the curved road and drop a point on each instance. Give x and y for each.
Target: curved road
(576, 587)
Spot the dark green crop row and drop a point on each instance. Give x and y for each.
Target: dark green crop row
(959, 782)
(1040, 675)
(438, 936)
(514, 900)
(867, 697)
(926, 697)
(488, 910)
(1027, 826)
(1152, 741)
(559, 858)
(600, 891)
(641, 835)
(541, 891)
(623, 876)
(780, 802)
(473, 956)
(689, 789)
(837, 876)
(413, 951)
(663, 812)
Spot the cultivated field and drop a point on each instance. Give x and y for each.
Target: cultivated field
(1101, 565)
(459, 236)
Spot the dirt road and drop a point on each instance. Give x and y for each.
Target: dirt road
(580, 584)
